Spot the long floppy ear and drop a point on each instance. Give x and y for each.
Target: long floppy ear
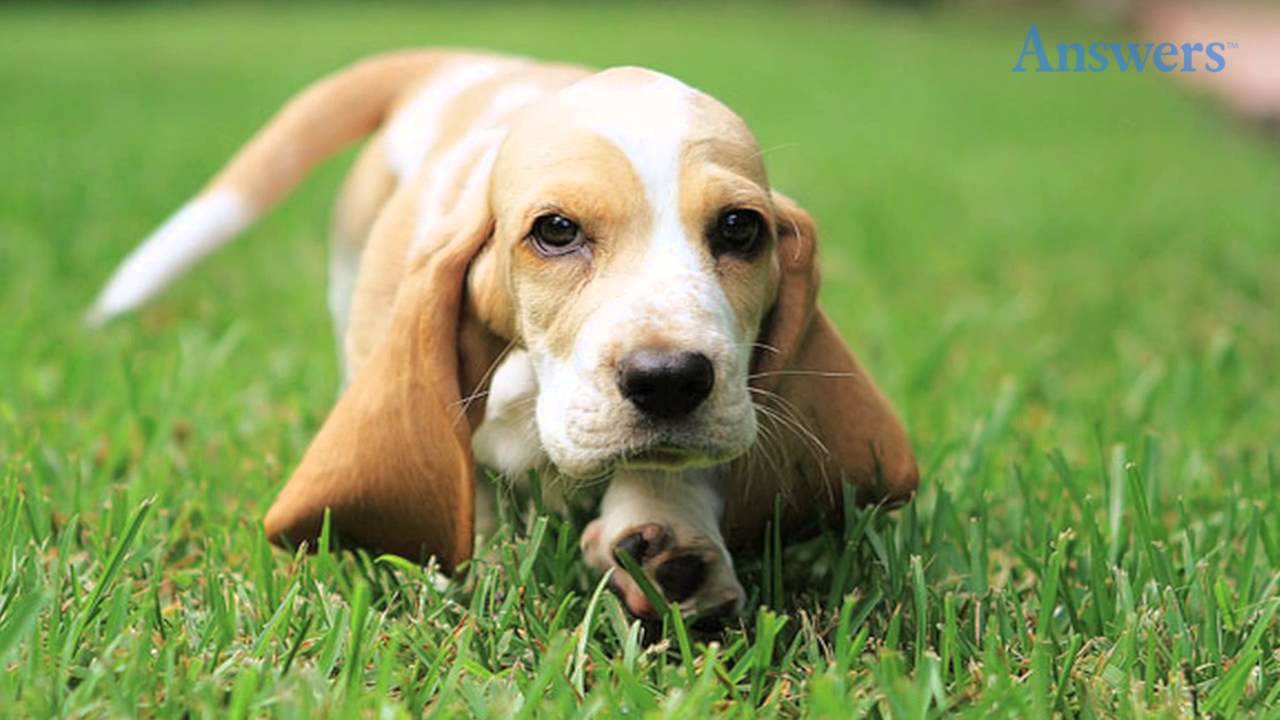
(824, 422)
(393, 462)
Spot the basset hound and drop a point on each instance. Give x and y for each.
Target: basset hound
(541, 266)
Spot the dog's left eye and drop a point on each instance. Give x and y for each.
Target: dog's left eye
(555, 235)
(737, 231)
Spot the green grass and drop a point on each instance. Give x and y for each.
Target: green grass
(1070, 286)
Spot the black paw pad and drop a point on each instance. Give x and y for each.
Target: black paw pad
(644, 543)
(681, 576)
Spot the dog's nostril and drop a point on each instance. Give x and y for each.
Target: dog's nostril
(664, 384)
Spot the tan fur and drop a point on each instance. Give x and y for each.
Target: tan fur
(590, 179)
(393, 461)
(362, 197)
(307, 130)
(447, 282)
(829, 425)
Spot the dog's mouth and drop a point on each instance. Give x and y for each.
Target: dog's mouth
(668, 456)
(665, 456)
(695, 444)
(661, 456)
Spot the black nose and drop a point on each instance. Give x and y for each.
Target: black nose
(666, 385)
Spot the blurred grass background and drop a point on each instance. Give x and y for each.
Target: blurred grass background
(1083, 264)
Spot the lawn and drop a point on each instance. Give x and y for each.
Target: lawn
(1069, 285)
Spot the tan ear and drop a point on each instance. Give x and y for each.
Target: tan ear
(393, 462)
(823, 421)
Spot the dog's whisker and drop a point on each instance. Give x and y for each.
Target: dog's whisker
(788, 415)
(782, 402)
(484, 379)
(772, 451)
(769, 443)
(465, 402)
(783, 146)
(817, 448)
(759, 345)
(809, 373)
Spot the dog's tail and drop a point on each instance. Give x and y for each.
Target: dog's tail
(321, 120)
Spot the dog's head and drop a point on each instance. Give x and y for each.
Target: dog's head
(635, 236)
(624, 232)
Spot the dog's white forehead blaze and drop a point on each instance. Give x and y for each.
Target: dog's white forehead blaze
(649, 117)
(671, 294)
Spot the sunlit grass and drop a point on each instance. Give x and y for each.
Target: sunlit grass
(1068, 285)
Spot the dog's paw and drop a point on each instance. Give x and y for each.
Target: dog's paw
(685, 566)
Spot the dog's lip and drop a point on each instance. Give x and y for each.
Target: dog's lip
(666, 456)
(662, 456)
(659, 453)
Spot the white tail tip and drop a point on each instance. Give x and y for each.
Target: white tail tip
(197, 229)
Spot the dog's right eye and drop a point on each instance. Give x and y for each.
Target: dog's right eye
(555, 235)
(737, 231)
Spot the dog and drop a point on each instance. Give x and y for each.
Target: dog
(539, 266)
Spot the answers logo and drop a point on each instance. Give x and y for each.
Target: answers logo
(1100, 57)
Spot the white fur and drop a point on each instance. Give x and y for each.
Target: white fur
(198, 228)
(647, 121)
(568, 409)
(446, 172)
(541, 406)
(688, 506)
(507, 440)
(447, 179)
(416, 128)
(583, 420)
(344, 270)
(507, 100)
(640, 496)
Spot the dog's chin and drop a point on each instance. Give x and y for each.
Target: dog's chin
(658, 456)
(668, 457)
(639, 445)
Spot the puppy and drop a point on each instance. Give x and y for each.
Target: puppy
(540, 266)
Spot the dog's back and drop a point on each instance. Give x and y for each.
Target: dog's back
(424, 109)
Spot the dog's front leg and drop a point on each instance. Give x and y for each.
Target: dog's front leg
(670, 523)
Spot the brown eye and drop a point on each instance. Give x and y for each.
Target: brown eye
(555, 235)
(737, 232)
